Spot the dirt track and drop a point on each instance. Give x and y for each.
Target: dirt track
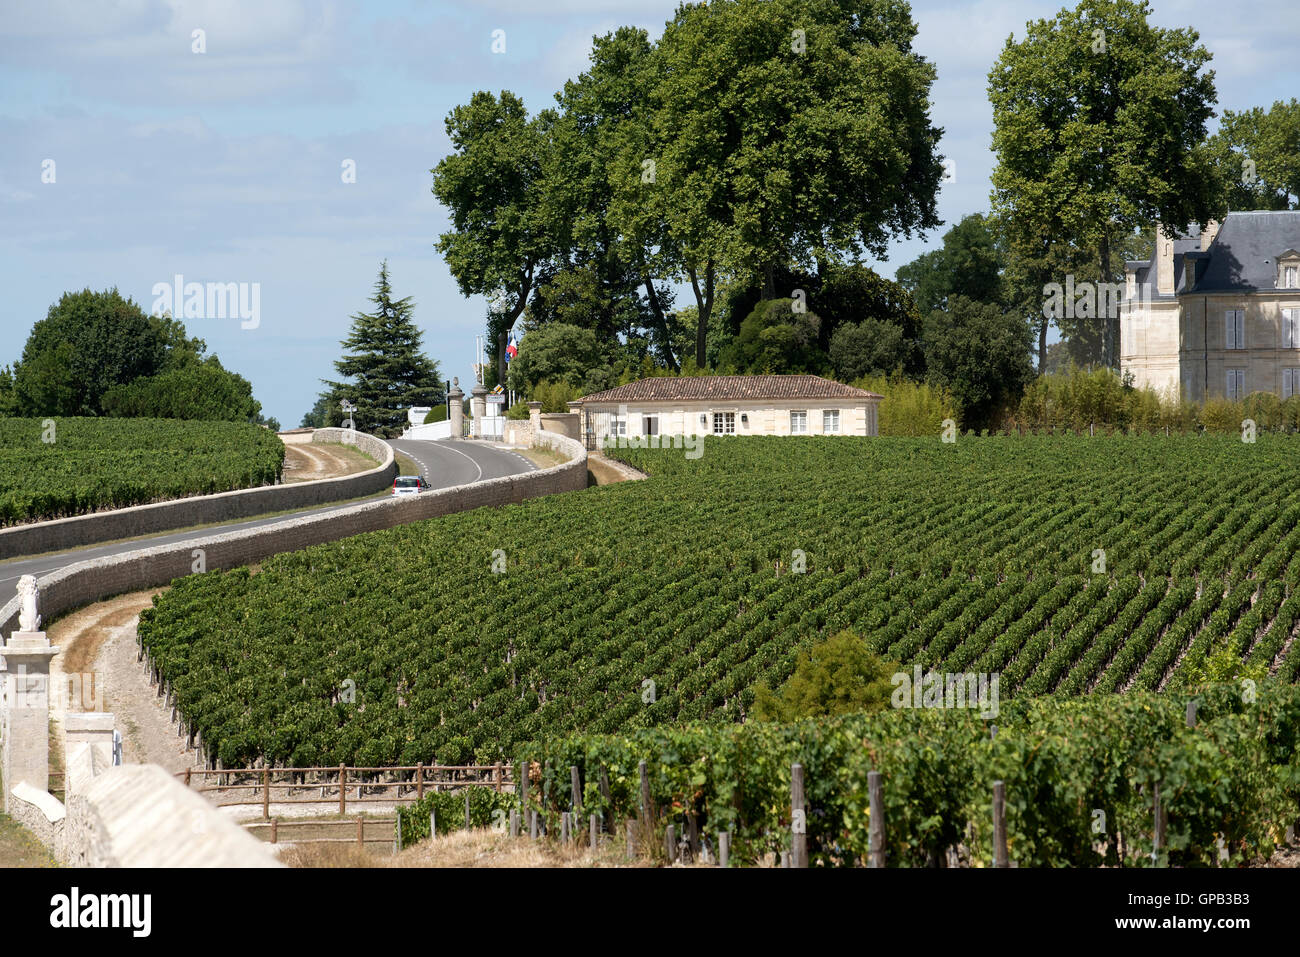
(305, 462)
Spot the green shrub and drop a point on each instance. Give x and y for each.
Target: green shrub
(837, 676)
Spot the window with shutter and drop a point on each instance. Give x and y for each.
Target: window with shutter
(1229, 329)
(1288, 383)
(1241, 383)
(1288, 339)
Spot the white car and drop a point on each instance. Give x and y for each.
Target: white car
(409, 485)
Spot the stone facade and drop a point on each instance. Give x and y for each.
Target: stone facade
(729, 405)
(1216, 312)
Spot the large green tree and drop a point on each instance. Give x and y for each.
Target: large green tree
(493, 187)
(1258, 157)
(1099, 126)
(87, 343)
(980, 353)
(561, 353)
(968, 264)
(383, 359)
(787, 131)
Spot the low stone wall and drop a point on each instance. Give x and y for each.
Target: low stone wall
(108, 526)
(41, 813)
(138, 815)
(98, 578)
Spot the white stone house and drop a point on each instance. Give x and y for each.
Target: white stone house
(1216, 312)
(728, 405)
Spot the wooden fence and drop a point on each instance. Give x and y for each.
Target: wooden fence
(343, 784)
(360, 831)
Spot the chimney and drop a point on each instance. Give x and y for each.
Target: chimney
(1164, 261)
(1208, 233)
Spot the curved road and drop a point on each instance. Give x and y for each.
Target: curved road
(443, 464)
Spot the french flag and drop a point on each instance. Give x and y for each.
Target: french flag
(512, 348)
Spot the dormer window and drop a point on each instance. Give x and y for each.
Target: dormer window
(1288, 270)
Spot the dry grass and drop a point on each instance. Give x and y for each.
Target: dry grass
(80, 634)
(542, 458)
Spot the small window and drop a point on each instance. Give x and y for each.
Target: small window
(1234, 329)
(724, 423)
(831, 421)
(1290, 278)
(1236, 384)
(617, 425)
(798, 423)
(650, 425)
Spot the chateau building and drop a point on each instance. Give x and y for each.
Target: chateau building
(728, 405)
(1216, 312)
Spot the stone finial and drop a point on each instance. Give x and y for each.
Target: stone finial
(28, 618)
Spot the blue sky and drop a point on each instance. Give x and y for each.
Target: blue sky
(225, 166)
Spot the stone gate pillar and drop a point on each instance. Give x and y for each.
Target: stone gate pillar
(27, 711)
(478, 409)
(457, 414)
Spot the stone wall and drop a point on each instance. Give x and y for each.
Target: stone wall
(138, 815)
(98, 578)
(109, 526)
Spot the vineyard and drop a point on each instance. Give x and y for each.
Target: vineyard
(53, 468)
(1067, 565)
(1080, 778)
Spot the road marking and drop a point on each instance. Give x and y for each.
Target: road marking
(478, 467)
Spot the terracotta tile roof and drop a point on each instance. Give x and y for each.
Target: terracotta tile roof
(726, 387)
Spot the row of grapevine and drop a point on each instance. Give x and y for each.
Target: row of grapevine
(1080, 778)
(53, 468)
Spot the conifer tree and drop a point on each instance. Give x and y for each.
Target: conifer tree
(386, 370)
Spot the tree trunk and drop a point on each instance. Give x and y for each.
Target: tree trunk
(662, 322)
(521, 302)
(704, 307)
(1042, 345)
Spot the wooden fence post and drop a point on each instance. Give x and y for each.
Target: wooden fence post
(575, 784)
(876, 825)
(275, 822)
(532, 824)
(646, 810)
(514, 822)
(631, 839)
(398, 838)
(496, 772)
(724, 849)
(521, 788)
(798, 819)
(670, 843)
(433, 824)
(1000, 857)
(467, 809)
(565, 832)
(1158, 839)
(343, 789)
(419, 782)
(266, 793)
(361, 833)
(595, 831)
(604, 788)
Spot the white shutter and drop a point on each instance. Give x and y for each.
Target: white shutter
(1241, 383)
(1229, 331)
(1230, 390)
(1241, 330)
(1286, 383)
(1287, 339)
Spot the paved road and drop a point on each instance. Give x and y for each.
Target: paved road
(444, 464)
